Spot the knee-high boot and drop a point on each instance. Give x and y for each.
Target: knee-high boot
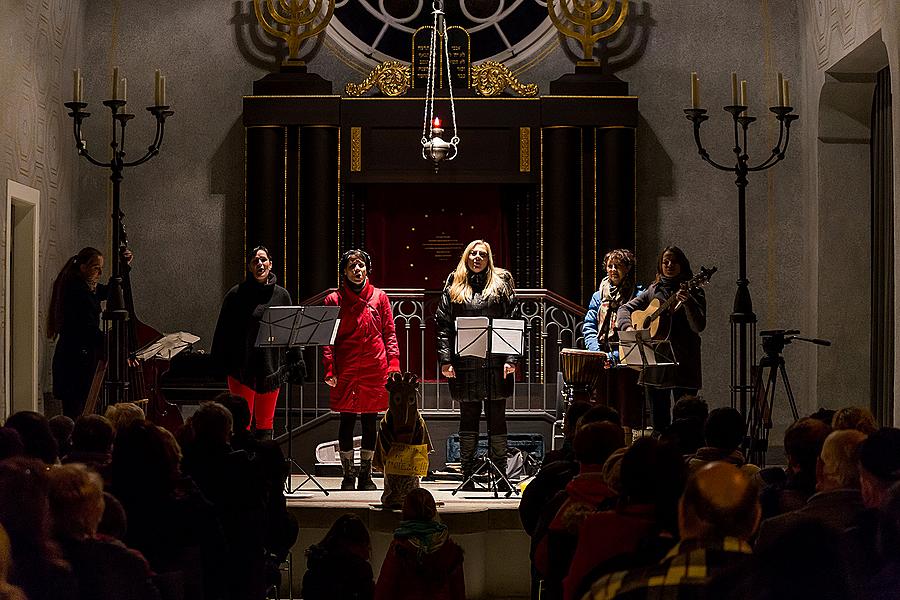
(348, 483)
(468, 444)
(364, 481)
(498, 453)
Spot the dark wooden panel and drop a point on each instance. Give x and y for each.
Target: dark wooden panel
(589, 111)
(292, 110)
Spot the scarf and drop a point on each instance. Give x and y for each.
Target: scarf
(425, 536)
(477, 281)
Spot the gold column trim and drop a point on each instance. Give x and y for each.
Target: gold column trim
(524, 149)
(392, 78)
(491, 78)
(356, 149)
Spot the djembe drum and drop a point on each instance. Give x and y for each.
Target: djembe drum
(581, 370)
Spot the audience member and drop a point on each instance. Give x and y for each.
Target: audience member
(123, 414)
(884, 583)
(36, 435)
(643, 525)
(10, 443)
(838, 502)
(92, 441)
(338, 566)
(717, 514)
(724, 432)
(788, 489)
(7, 590)
(422, 560)
(570, 423)
(105, 569)
(38, 565)
(879, 465)
(585, 494)
(854, 417)
(826, 415)
(686, 431)
(690, 406)
(61, 427)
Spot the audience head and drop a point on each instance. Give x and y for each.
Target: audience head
(719, 501)
(598, 414)
(145, 466)
(803, 441)
(724, 429)
(61, 427)
(76, 501)
(686, 434)
(36, 435)
(570, 422)
(595, 442)
(854, 417)
(688, 406)
(888, 538)
(237, 406)
(25, 512)
(10, 443)
(419, 506)
(653, 472)
(838, 466)
(211, 425)
(826, 415)
(348, 535)
(123, 414)
(879, 465)
(93, 433)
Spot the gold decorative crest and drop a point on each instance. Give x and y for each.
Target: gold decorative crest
(491, 78)
(392, 78)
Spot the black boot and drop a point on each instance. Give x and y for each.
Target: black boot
(498, 457)
(348, 483)
(468, 444)
(364, 479)
(263, 434)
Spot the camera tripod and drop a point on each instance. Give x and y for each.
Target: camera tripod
(765, 385)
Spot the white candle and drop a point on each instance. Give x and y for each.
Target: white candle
(156, 89)
(787, 92)
(162, 90)
(695, 90)
(125, 89)
(80, 89)
(76, 76)
(734, 89)
(115, 86)
(780, 86)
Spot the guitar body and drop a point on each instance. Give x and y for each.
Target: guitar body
(643, 319)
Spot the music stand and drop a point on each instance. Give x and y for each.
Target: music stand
(639, 351)
(482, 338)
(292, 327)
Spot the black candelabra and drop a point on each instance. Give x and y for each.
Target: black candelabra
(114, 316)
(743, 319)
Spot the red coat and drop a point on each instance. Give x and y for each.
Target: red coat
(364, 352)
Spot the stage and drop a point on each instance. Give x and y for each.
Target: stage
(488, 529)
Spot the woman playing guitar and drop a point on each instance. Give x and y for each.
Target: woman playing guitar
(683, 321)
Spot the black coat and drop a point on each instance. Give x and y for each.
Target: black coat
(233, 347)
(474, 374)
(686, 325)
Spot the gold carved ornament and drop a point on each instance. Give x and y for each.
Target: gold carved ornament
(392, 78)
(578, 19)
(491, 78)
(299, 16)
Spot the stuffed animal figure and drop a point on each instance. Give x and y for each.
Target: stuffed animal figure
(403, 444)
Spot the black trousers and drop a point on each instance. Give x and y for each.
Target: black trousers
(348, 424)
(470, 415)
(661, 404)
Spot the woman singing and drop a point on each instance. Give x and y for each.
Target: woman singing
(616, 289)
(74, 316)
(477, 289)
(357, 366)
(688, 319)
(255, 374)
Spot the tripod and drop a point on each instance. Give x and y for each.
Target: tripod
(765, 385)
(292, 464)
(477, 336)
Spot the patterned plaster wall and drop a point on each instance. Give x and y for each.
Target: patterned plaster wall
(40, 40)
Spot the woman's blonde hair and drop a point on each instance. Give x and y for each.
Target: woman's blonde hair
(496, 284)
(76, 500)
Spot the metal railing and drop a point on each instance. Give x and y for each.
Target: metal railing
(551, 324)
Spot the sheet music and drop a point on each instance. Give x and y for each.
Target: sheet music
(471, 336)
(507, 336)
(167, 346)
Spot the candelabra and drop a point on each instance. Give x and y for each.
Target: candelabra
(116, 313)
(743, 319)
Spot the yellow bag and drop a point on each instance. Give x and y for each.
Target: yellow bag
(407, 459)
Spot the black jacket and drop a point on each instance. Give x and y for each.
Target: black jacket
(233, 348)
(472, 378)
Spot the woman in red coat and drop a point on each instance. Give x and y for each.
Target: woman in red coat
(357, 366)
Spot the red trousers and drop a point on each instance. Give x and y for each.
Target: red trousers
(262, 405)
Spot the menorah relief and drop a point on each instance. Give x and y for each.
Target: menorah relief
(587, 21)
(294, 21)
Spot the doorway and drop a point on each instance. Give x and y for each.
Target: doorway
(21, 316)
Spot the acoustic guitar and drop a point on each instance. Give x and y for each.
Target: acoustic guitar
(653, 316)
